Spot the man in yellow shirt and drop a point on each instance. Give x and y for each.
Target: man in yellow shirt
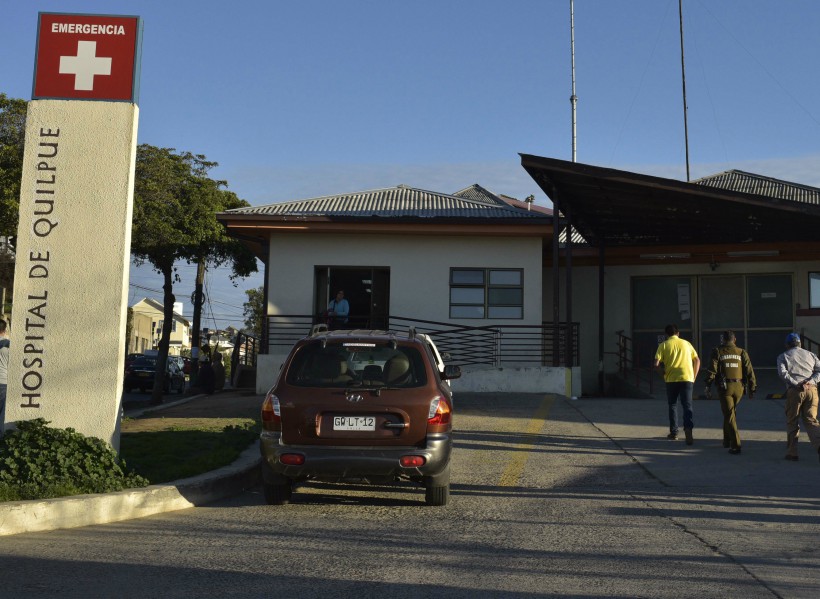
(680, 368)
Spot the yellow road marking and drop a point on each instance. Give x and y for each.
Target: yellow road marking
(521, 452)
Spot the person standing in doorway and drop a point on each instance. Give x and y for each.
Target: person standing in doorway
(680, 368)
(731, 369)
(338, 310)
(4, 370)
(799, 369)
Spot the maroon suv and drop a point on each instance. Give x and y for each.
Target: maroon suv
(363, 406)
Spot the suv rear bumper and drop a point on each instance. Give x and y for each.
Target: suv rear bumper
(350, 462)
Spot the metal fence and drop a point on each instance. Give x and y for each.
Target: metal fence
(629, 366)
(493, 345)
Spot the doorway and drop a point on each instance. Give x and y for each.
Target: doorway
(367, 290)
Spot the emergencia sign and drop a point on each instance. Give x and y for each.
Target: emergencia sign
(87, 57)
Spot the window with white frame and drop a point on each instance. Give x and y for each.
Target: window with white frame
(486, 293)
(814, 290)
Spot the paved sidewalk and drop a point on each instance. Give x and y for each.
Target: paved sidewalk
(639, 427)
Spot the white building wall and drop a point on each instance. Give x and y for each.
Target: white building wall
(419, 269)
(419, 274)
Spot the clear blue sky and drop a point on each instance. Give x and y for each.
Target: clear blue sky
(303, 99)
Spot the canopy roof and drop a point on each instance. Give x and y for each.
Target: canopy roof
(620, 208)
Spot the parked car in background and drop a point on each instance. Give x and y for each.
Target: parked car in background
(140, 375)
(180, 361)
(129, 359)
(359, 406)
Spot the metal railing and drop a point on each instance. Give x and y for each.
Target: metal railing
(809, 344)
(245, 350)
(629, 366)
(466, 345)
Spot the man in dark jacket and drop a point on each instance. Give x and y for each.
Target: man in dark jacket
(731, 368)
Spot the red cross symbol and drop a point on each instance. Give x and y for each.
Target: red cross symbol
(85, 65)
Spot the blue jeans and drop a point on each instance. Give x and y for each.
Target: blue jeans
(683, 391)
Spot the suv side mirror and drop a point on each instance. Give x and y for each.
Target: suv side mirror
(451, 372)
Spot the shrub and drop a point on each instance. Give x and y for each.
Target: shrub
(39, 462)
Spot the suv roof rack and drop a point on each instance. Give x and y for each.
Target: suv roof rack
(317, 329)
(411, 332)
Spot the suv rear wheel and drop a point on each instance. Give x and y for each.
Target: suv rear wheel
(437, 488)
(277, 489)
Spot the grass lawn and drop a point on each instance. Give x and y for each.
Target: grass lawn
(163, 450)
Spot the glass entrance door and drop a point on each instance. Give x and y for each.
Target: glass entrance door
(724, 308)
(770, 302)
(758, 308)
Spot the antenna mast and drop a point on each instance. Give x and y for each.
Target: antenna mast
(683, 79)
(573, 98)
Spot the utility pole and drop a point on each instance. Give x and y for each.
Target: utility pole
(683, 79)
(197, 317)
(573, 98)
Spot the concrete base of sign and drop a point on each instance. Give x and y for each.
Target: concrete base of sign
(71, 278)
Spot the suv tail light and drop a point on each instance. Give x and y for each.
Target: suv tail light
(271, 413)
(412, 461)
(292, 459)
(440, 412)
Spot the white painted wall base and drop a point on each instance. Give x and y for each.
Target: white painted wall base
(519, 379)
(478, 379)
(267, 369)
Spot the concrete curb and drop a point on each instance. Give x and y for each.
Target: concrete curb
(137, 412)
(83, 510)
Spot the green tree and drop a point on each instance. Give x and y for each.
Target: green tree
(175, 206)
(12, 139)
(254, 311)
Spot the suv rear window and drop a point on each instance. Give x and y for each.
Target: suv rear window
(357, 364)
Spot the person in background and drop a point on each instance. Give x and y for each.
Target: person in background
(731, 369)
(338, 310)
(680, 368)
(4, 370)
(219, 371)
(206, 374)
(799, 369)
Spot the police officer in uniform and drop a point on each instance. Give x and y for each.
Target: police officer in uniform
(731, 369)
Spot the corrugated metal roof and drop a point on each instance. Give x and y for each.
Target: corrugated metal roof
(479, 193)
(736, 180)
(401, 201)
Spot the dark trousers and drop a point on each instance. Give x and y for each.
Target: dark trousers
(682, 391)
